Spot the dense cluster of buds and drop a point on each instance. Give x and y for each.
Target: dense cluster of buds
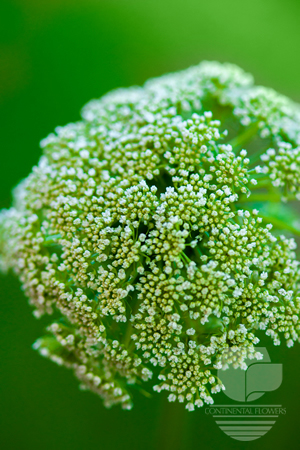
(140, 229)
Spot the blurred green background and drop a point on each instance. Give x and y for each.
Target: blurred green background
(54, 57)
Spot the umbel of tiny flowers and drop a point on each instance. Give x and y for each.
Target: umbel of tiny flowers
(158, 229)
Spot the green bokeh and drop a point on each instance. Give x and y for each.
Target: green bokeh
(54, 57)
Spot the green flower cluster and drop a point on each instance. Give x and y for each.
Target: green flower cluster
(139, 230)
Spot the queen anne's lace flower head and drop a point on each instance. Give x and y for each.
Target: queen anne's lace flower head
(137, 227)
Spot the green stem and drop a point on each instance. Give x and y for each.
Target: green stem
(269, 197)
(261, 183)
(172, 424)
(280, 224)
(244, 137)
